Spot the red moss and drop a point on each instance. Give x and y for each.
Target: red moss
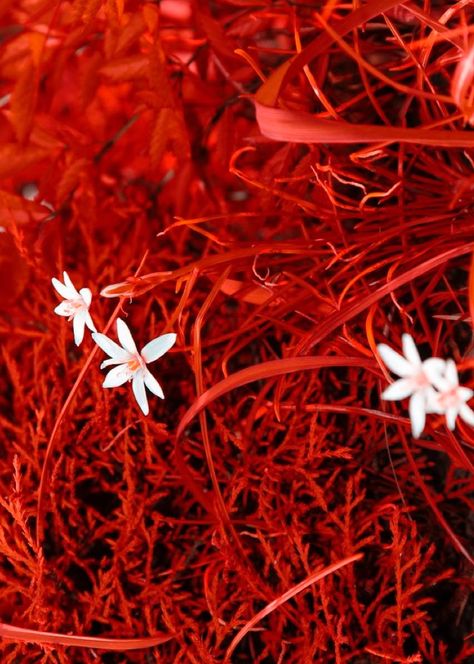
(284, 186)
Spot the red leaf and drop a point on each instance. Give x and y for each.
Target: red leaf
(159, 78)
(270, 90)
(463, 86)
(295, 590)
(23, 103)
(125, 69)
(281, 124)
(17, 210)
(122, 645)
(70, 179)
(13, 159)
(167, 130)
(13, 271)
(257, 295)
(266, 370)
(214, 32)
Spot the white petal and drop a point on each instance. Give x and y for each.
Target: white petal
(69, 285)
(110, 347)
(78, 323)
(465, 393)
(153, 385)
(438, 381)
(138, 387)
(158, 347)
(63, 309)
(410, 350)
(416, 409)
(89, 322)
(117, 376)
(125, 337)
(467, 414)
(434, 368)
(109, 363)
(86, 295)
(400, 389)
(452, 373)
(395, 362)
(61, 289)
(451, 415)
(432, 401)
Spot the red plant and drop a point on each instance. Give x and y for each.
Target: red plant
(284, 185)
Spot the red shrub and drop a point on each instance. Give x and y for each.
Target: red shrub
(284, 185)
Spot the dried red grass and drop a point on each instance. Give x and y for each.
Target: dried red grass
(272, 508)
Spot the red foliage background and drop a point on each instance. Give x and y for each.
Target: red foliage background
(294, 182)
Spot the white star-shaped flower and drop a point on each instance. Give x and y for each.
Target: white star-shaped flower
(75, 306)
(131, 363)
(451, 398)
(416, 380)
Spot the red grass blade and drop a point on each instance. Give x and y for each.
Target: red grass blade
(270, 90)
(281, 124)
(313, 578)
(57, 639)
(339, 318)
(268, 370)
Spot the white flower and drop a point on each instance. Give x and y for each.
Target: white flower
(451, 398)
(131, 363)
(416, 380)
(75, 306)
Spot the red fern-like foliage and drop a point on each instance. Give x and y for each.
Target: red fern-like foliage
(284, 185)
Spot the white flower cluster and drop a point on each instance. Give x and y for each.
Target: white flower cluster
(432, 385)
(131, 364)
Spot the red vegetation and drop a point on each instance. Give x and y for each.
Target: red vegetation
(284, 185)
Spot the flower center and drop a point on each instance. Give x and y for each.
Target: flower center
(73, 306)
(420, 380)
(135, 363)
(448, 399)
